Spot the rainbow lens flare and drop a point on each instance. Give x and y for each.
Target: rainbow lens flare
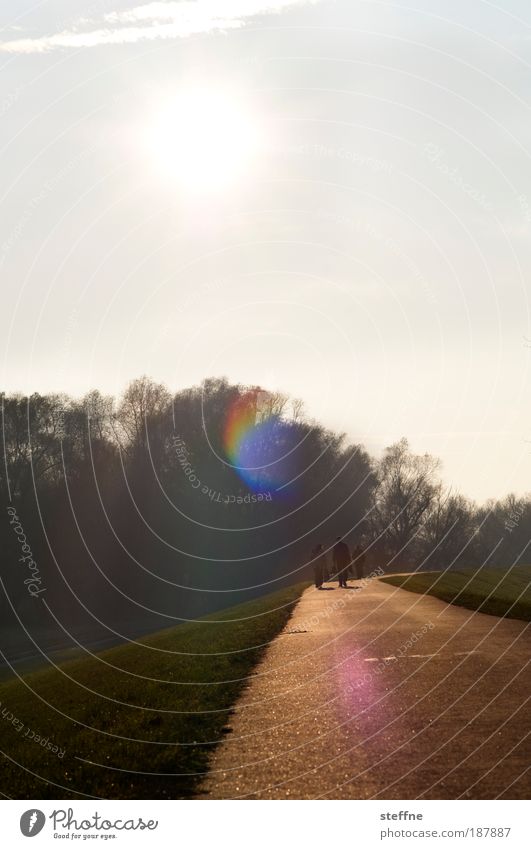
(258, 443)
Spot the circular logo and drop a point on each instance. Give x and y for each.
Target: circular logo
(31, 822)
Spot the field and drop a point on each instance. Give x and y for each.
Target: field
(138, 720)
(500, 592)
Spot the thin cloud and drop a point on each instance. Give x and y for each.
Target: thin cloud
(153, 21)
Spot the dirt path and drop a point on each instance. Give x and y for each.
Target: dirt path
(374, 692)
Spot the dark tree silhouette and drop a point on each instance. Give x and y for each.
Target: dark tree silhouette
(138, 518)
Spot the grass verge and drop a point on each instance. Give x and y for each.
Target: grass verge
(135, 721)
(495, 591)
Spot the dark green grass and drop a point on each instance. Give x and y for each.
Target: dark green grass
(499, 592)
(216, 658)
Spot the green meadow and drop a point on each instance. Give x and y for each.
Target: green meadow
(139, 720)
(500, 592)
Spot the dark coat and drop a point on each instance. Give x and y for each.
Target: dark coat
(341, 555)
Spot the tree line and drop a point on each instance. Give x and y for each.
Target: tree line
(134, 515)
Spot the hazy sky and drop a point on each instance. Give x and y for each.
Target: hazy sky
(331, 198)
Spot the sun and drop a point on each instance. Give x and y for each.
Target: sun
(203, 138)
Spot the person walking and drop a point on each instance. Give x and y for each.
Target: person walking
(319, 566)
(341, 561)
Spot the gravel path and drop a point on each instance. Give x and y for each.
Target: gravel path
(375, 692)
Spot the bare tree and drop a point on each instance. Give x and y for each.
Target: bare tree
(406, 490)
(143, 404)
(449, 530)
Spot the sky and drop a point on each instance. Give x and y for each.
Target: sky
(328, 198)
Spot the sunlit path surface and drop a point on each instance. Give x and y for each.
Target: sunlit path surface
(374, 692)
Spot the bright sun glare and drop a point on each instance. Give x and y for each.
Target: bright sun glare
(204, 139)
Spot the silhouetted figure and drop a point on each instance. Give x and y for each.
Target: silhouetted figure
(358, 561)
(319, 566)
(341, 561)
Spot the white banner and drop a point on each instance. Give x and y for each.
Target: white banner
(244, 824)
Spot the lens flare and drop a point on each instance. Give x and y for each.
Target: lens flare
(259, 443)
